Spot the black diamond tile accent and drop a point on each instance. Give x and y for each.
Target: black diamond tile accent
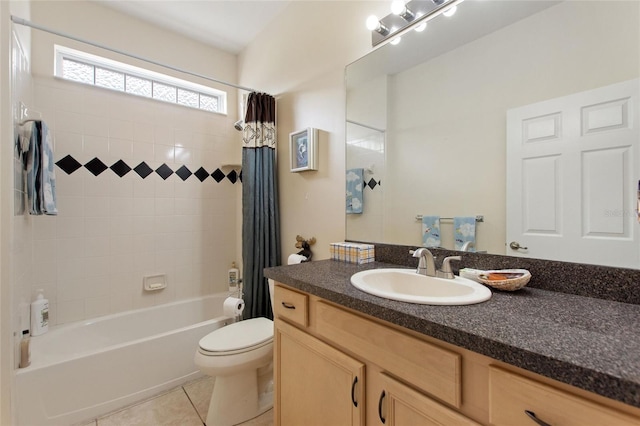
(201, 174)
(164, 171)
(95, 166)
(120, 168)
(217, 175)
(143, 170)
(232, 176)
(372, 183)
(184, 172)
(68, 164)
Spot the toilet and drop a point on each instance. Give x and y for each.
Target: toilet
(240, 357)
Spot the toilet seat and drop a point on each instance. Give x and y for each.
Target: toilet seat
(236, 338)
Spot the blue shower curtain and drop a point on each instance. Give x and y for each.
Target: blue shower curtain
(260, 214)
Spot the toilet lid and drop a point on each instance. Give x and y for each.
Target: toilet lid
(239, 335)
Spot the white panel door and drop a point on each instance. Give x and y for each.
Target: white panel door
(573, 170)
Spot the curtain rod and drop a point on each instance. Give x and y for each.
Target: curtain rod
(21, 21)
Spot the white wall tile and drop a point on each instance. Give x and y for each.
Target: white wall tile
(67, 121)
(96, 146)
(143, 151)
(112, 231)
(120, 149)
(97, 306)
(96, 126)
(121, 129)
(69, 311)
(70, 227)
(97, 246)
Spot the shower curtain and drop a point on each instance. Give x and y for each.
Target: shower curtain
(260, 214)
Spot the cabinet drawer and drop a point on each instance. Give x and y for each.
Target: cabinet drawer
(291, 305)
(512, 395)
(401, 405)
(429, 367)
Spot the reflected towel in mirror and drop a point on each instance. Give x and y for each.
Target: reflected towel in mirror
(355, 184)
(464, 231)
(431, 231)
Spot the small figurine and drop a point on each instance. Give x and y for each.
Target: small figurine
(305, 245)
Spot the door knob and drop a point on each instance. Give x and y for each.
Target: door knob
(516, 246)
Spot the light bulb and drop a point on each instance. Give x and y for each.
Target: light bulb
(395, 41)
(373, 23)
(420, 28)
(397, 7)
(450, 12)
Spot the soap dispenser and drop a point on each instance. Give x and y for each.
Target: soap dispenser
(233, 278)
(39, 315)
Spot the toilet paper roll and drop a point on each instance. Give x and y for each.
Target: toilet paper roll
(295, 258)
(232, 306)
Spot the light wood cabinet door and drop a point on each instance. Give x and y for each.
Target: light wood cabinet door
(517, 400)
(401, 405)
(316, 384)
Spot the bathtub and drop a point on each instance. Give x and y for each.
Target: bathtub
(82, 370)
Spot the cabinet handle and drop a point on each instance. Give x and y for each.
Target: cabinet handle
(533, 417)
(353, 391)
(288, 305)
(382, 419)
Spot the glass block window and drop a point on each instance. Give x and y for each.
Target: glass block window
(77, 71)
(109, 79)
(97, 71)
(164, 92)
(138, 86)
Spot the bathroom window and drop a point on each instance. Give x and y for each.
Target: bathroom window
(97, 71)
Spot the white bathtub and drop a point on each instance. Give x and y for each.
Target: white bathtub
(82, 370)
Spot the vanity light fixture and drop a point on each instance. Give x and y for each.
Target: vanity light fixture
(421, 27)
(399, 8)
(395, 40)
(406, 16)
(450, 11)
(374, 24)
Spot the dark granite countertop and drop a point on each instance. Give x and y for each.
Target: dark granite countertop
(589, 343)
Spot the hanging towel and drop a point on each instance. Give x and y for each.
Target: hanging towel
(355, 184)
(431, 231)
(464, 230)
(41, 179)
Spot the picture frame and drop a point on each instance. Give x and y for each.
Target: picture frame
(303, 150)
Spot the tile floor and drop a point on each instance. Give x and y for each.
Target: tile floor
(186, 405)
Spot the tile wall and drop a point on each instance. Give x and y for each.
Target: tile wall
(136, 197)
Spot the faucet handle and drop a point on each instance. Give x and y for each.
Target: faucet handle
(446, 264)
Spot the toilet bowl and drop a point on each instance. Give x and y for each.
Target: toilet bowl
(240, 357)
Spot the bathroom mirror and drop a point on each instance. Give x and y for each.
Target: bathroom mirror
(427, 121)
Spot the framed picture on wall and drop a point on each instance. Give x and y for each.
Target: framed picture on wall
(303, 150)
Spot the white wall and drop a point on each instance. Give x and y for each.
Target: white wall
(300, 58)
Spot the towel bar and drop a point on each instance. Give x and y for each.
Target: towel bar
(479, 218)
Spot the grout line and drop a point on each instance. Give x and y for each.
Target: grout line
(193, 405)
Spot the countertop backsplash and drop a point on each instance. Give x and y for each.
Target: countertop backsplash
(602, 282)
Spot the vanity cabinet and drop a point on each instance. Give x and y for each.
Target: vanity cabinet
(334, 366)
(317, 384)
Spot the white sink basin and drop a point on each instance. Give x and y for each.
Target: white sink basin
(406, 285)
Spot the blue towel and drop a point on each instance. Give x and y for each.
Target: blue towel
(431, 231)
(41, 179)
(355, 184)
(464, 230)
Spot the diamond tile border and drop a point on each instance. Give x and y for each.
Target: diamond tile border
(95, 166)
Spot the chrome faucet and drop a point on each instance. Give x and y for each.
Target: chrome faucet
(446, 268)
(467, 246)
(427, 264)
